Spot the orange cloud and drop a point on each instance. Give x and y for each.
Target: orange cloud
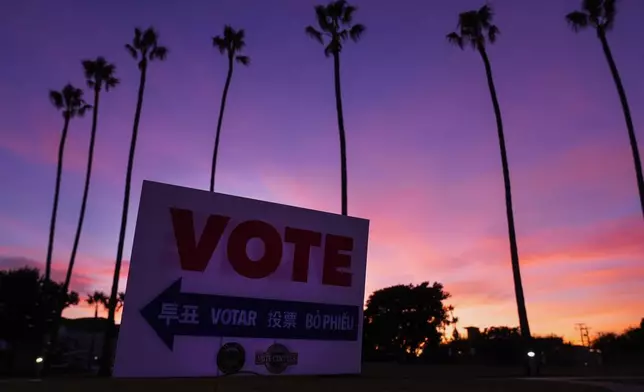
(621, 239)
(455, 232)
(595, 278)
(617, 239)
(602, 313)
(592, 278)
(428, 227)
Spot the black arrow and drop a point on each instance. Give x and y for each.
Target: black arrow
(173, 313)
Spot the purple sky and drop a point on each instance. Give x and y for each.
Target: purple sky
(424, 164)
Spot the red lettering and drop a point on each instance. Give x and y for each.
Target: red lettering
(333, 260)
(195, 255)
(302, 241)
(238, 257)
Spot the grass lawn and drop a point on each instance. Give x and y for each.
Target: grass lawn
(294, 384)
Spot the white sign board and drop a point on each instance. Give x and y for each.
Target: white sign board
(220, 282)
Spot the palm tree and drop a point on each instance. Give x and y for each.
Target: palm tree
(120, 301)
(99, 74)
(600, 15)
(96, 299)
(335, 22)
(476, 30)
(144, 48)
(70, 101)
(231, 43)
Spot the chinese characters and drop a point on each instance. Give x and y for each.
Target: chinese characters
(278, 319)
(183, 314)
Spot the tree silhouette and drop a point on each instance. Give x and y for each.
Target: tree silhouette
(335, 22)
(405, 320)
(70, 101)
(27, 304)
(501, 345)
(476, 30)
(600, 15)
(144, 48)
(626, 347)
(120, 301)
(99, 74)
(97, 299)
(230, 44)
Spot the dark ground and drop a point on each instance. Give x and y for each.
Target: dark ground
(375, 378)
(288, 384)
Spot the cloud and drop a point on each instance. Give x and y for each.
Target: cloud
(41, 146)
(615, 239)
(607, 312)
(477, 292)
(431, 228)
(610, 280)
(605, 299)
(425, 227)
(608, 249)
(428, 226)
(568, 277)
(81, 281)
(88, 275)
(561, 188)
(18, 227)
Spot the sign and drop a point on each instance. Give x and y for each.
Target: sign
(276, 359)
(214, 275)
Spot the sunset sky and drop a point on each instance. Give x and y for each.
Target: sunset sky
(423, 153)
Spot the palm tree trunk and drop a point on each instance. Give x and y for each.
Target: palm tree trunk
(52, 224)
(627, 115)
(88, 176)
(514, 252)
(50, 337)
(93, 341)
(219, 122)
(343, 143)
(106, 358)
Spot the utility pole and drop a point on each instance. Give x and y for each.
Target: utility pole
(583, 333)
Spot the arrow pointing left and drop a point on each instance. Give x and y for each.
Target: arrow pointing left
(174, 313)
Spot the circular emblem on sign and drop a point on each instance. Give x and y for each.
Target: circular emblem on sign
(276, 359)
(231, 358)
